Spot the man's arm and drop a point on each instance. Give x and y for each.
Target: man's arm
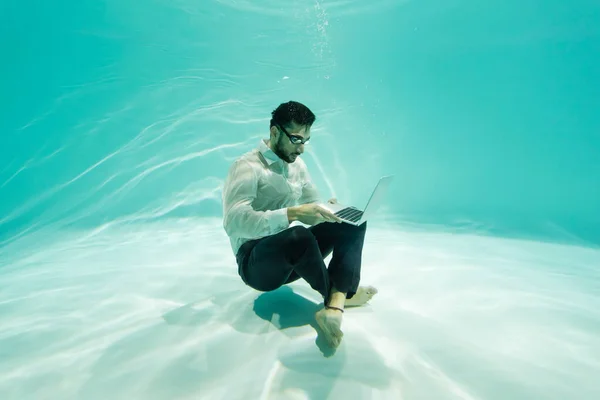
(239, 218)
(310, 194)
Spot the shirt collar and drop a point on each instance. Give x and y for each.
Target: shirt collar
(267, 153)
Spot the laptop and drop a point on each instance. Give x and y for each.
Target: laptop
(355, 216)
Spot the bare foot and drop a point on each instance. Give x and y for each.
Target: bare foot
(362, 296)
(330, 322)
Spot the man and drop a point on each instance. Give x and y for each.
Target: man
(269, 188)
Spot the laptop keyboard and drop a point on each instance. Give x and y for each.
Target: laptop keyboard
(350, 214)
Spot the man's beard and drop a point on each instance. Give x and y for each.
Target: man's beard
(280, 153)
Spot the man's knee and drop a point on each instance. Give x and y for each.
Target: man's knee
(299, 235)
(353, 228)
(300, 239)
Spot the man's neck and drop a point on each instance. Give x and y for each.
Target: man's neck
(270, 146)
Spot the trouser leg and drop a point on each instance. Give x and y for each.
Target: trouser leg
(297, 252)
(268, 263)
(346, 241)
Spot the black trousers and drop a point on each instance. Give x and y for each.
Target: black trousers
(267, 263)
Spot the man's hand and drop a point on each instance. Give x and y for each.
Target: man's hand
(311, 214)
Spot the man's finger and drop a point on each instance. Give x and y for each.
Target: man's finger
(322, 215)
(328, 215)
(332, 217)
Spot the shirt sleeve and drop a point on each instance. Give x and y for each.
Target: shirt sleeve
(310, 194)
(239, 217)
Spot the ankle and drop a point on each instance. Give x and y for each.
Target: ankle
(334, 308)
(337, 300)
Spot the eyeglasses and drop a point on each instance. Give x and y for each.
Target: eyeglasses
(294, 139)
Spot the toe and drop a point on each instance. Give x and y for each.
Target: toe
(335, 341)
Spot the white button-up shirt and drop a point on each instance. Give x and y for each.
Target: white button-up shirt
(257, 192)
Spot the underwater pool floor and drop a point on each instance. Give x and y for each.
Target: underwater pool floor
(157, 311)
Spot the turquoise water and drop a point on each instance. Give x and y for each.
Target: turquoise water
(120, 120)
(484, 112)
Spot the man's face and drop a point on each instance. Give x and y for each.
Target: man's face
(289, 143)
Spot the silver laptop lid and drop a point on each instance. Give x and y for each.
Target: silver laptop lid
(377, 196)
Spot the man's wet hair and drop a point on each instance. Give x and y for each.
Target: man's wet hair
(292, 111)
